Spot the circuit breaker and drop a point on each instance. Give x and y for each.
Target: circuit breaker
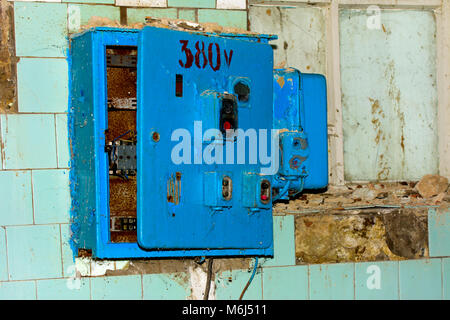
(181, 142)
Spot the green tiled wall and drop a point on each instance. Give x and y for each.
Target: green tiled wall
(331, 281)
(34, 252)
(285, 283)
(420, 279)
(18, 290)
(42, 85)
(116, 288)
(377, 280)
(438, 232)
(192, 3)
(41, 29)
(165, 286)
(138, 15)
(233, 18)
(229, 285)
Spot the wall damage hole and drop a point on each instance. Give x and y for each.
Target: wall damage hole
(243, 91)
(84, 252)
(407, 232)
(361, 235)
(178, 85)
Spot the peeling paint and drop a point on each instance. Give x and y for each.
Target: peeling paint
(280, 81)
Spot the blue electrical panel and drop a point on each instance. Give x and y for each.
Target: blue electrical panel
(174, 152)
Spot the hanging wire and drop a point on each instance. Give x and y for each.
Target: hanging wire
(114, 145)
(251, 278)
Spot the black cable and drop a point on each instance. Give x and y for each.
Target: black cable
(208, 279)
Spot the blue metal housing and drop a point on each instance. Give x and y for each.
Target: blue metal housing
(300, 113)
(201, 221)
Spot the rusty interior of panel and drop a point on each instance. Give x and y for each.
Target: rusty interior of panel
(121, 137)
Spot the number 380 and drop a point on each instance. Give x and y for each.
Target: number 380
(201, 59)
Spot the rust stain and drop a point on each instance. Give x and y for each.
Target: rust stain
(402, 142)
(401, 116)
(375, 105)
(269, 12)
(174, 188)
(280, 81)
(395, 96)
(384, 29)
(377, 112)
(377, 116)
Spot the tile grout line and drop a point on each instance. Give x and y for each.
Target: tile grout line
(309, 282)
(36, 169)
(262, 284)
(40, 57)
(61, 250)
(2, 161)
(56, 142)
(32, 197)
(43, 279)
(354, 281)
(90, 288)
(37, 224)
(442, 279)
(7, 257)
(67, 22)
(37, 113)
(142, 286)
(398, 283)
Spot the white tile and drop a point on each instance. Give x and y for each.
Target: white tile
(142, 3)
(231, 4)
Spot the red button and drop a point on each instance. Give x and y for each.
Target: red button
(264, 197)
(227, 125)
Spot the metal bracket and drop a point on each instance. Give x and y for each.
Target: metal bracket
(123, 224)
(121, 61)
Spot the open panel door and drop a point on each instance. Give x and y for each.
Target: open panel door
(189, 83)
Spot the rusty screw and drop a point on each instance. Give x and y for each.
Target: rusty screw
(155, 136)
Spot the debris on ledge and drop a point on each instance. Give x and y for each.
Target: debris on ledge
(432, 185)
(430, 191)
(174, 24)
